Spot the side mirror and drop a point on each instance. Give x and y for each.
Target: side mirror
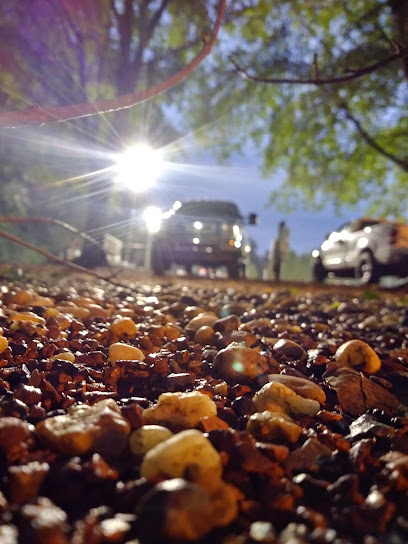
(252, 218)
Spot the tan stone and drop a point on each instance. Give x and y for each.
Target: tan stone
(356, 353)
(188, 449)
(277, 397)
(273, 426)
(124, 352)
(304, 388)
(98, 428)
(180, 409)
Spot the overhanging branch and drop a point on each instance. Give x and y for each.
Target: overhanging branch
(402, 53)
(38, 115)
(370, 140)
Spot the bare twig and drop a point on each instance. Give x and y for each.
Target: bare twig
(352, 73)
(14, 219)
(316, 67)
(52, 257)
(370, 140)
(38, 115)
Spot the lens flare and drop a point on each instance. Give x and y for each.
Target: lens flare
(238, 367)
(138, 167)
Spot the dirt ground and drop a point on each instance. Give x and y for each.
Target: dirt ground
(125, 276)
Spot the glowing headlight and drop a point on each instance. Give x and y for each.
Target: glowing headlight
(196, 240)
(197, 225)
(362, 242)
(153, 218)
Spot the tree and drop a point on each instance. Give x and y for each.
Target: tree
(73, 59)
(321, 89)
(122, 31)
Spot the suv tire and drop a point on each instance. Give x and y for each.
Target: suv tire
(236, 270)
(158, 264)
(367, 269)
(319, 273)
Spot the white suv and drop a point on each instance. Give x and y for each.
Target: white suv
(364, 248)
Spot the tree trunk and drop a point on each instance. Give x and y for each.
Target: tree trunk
(400, 12)
(93, 256)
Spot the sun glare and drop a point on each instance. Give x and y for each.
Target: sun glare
(138, 167)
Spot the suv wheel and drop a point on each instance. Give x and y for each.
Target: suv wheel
(158, 264)
(319, 273)
(236, 270)
(367, 269)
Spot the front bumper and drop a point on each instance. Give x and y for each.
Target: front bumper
(202, 254)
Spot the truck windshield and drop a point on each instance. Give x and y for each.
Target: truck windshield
(210, 209)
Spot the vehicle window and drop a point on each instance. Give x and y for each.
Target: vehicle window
(368, 223)
(210, 209)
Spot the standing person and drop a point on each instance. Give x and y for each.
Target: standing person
(280, 249)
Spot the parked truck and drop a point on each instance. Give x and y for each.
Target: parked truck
(209, 233)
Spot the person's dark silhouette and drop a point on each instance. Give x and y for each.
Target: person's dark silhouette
(280, 250)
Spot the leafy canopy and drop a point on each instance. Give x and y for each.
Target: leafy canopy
(341, 143)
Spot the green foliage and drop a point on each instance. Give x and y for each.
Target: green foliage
(335, 305)
(296, 268)
(403, 300)
(369, 294)
(304, 129)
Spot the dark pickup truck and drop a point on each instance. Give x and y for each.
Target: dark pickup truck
(210, 233)
(366, 249)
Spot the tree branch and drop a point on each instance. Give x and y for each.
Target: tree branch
(146, 34)
(77, 43)
(371, 142)
(353, 73)
(113, 7)
(37, 115)
(66, 226)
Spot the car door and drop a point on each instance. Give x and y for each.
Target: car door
(353, 242)
(359, 237)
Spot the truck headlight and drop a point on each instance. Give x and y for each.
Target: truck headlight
(153, 218)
